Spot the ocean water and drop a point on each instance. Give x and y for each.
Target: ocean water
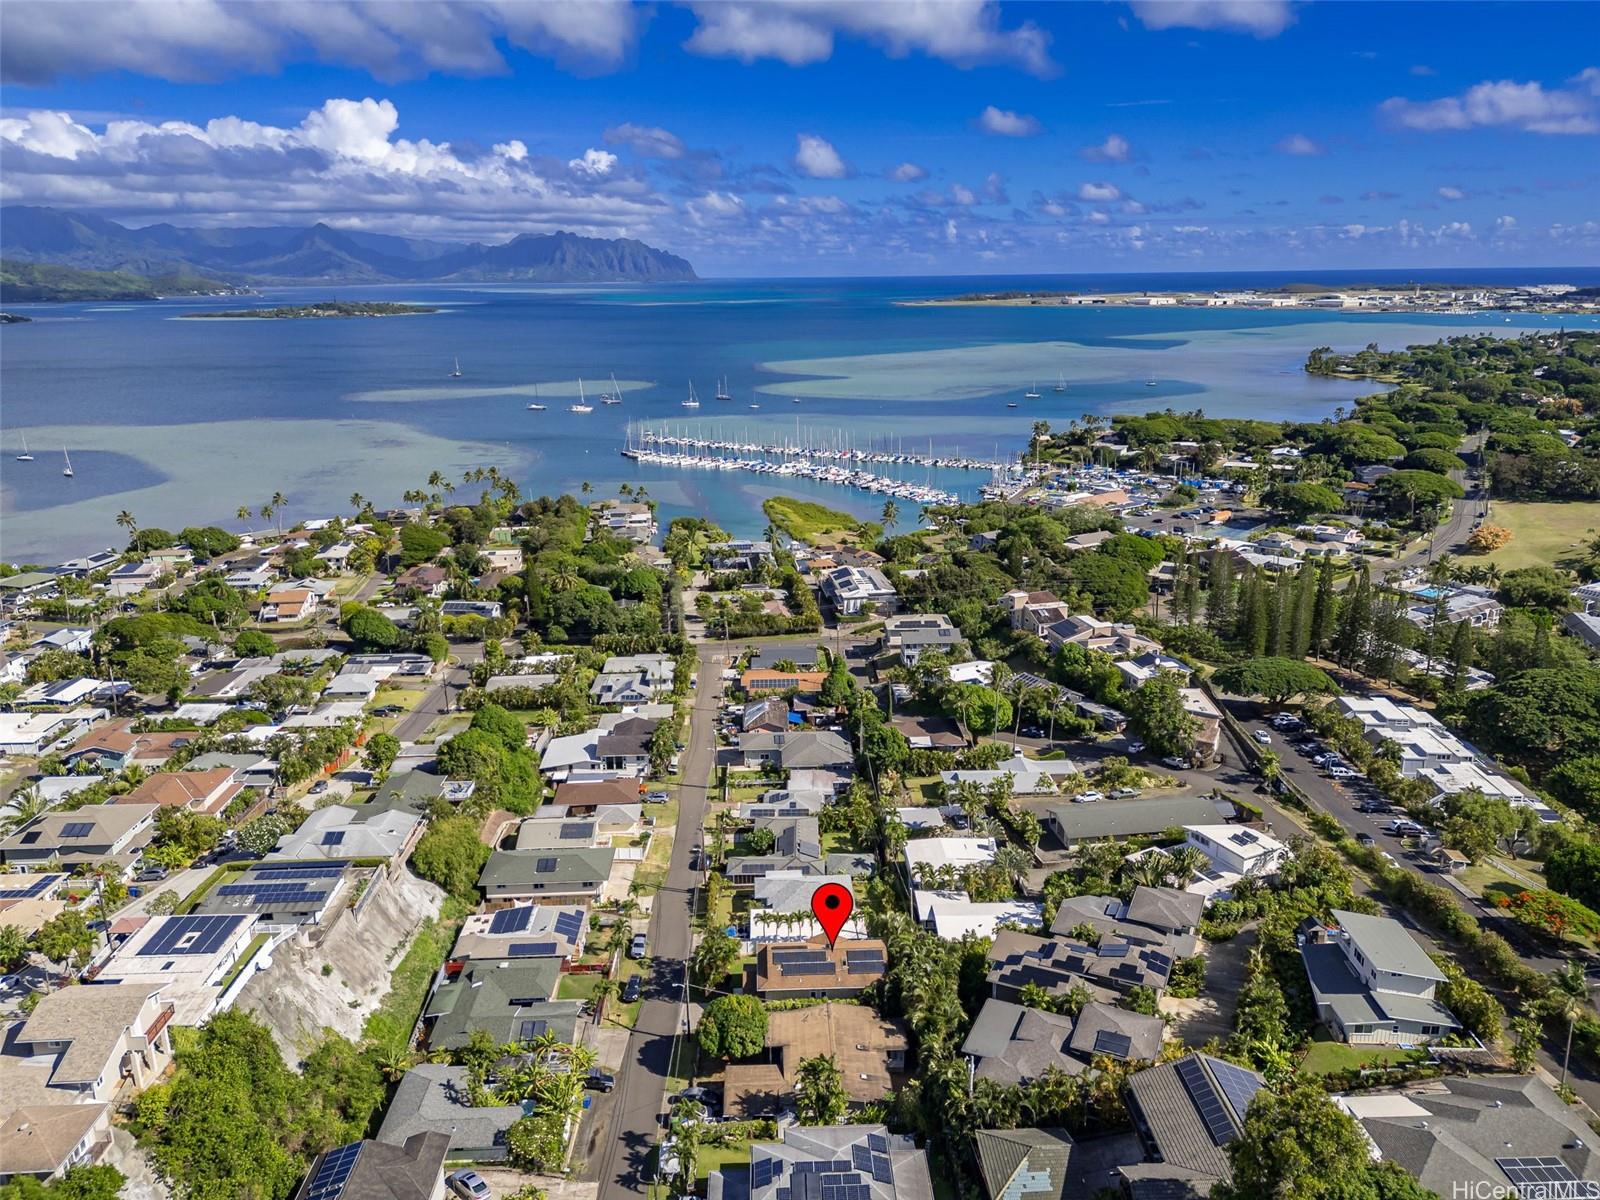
(182, 421)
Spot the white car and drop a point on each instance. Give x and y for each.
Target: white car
(1135, 746)
(1262, 736)
(1124, 793)
(1088, 797)
(1338, 772)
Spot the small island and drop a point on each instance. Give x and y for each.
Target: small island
(324, 308)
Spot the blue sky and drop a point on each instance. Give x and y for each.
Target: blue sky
(834, 136)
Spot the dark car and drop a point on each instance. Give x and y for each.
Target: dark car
(602, 1081)
(319, 787)
(706, 1098)
(633, 989)
(388, 710)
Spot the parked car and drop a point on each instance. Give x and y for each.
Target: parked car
(1088, 797)
(633, 989)
(467, 1184)
(655, 797)
(636, 948)
(1123, 793)
(319, 787)
(1262, 736)
(151, 874)
(1340, 772)
(1176, 763)
(1135, 746)
(1366, 839)
(602, 1081)
(388, 710)
(706, 1098)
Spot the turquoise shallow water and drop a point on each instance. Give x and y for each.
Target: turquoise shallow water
(180, 421)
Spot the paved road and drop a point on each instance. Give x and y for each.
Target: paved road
(1451, 535)
(436, 702)
(631, 1127)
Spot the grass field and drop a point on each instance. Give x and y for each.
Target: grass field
(1324, 1057)
(811, 522)
(1541, 534)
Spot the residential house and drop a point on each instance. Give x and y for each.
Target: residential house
(1207, 718)
(760, 681)
(1118, 639)
(788, 970)
(285, 895)
(188, 959)
(341, 832)
(509, 1000)
(1422, 741)
(251, 579)
(1152, 916)
(1033, 612)
(1138, 671)
(580, 799)
(633, 679)
(72, 640)
(1187, 1113)
(770, 715)
(84, 1044)
(1027, 776)
(629, 519)
(1023, 1164)
(425, 580)
(288, 604)
(780, 907)
(436, 1097)
(1477, 607)
(854, 590)
(489, 610)
(805, 657)
(1372, 983)
(523, 931)
(930, 858)
(738, 555)
(912, 635)
(563, 832)
(806, 749)
(1137, 817)
(94, 833)
(952, 914)
(1236, 852)
(25, 587)
(882, 1165)
(131, 578)
(206, 792)
(1481, 1135)
(869, 1051)
(546, 876)
(370, 1170)
(114, 746)
(1012, 1044)
(931, 732)
(73, 693)
(1061, 963)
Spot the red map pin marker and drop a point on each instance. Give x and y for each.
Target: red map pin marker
(832, 904)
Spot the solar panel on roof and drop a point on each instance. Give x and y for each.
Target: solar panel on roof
(876, 1141)
(1117, 1045)
(192, 935)
(530, 1031)
(545, 865)
(510, 920)
(33, 889)
(534, 949)
(569, 925)
(576, 829)
(1542, 1176)
(77, 829)
(1113, 949)
(806, 968)
(1207, 1102)
(1237, 1084)
(795, 956)
(761, 1173)
(333, 837)
(332, 1175)
(860, 1159)
(881, 1170)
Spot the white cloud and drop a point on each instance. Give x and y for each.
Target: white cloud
(197, 40)
(1099, 192)
(1098, 218)
(1451, 193)
(1299, 145)
(1505, 104)
(994, 188)
(1505, 223)
(962, 195)
(715, 207)
(798, 32)
(907, 172)
(647, 141)
(1262, 18)
(594, 163)
(1003, 123)
(343, 163)
(1114, 149)
(816, 157)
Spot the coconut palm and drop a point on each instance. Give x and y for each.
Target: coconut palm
(1569, 999)
(278, 501)
(891, 514)
(358, 503)
(243, 513)
(24, 807)
(126, 520)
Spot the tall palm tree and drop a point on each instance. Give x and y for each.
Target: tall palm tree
(278, 501)
(25, 806)
(358, 503)
(1570, 998)
(243, 513)
(126, 520)
(891, 514)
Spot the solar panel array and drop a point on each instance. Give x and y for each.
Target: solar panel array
(334, 1172)
(1107, 1041)
(577, 829)
(333, 837)
(1547, 1177)
(1237, 1084)
(877, 1142)
(192, 935)
(510, 920)
(806, 968)
(799, 956)
(534, 949)
(1113, 949)
(77, 829)
(43, 883)
(283, 885)
(1207, 1102)
(545, 865)
(863, 962)
(328, 870)
(532, 1030)
(570, 925)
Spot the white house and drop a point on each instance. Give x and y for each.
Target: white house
(1373, 983)
(851, 589)
(953, 914)
(930, 854)
(1236, 850)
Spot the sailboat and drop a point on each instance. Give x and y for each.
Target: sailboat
(24, 456)
(722, 389)
(755, 406)
(614, 396)
(456, 373)
(1061, 382)
(1032, 393)
(582, 406)
(692, 401)
(66, 470)
(536, 407)
(1150, 383)
(1011, 403)
(797, 399)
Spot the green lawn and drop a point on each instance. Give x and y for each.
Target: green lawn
(576, 986)
(717, 1158)
(811, 522)
(1325, 1057)
(1541, 534)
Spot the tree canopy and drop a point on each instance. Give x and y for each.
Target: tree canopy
(1277, 680)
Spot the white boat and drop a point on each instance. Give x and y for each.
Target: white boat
(755, 406)
(456, 371)
(722, 389)
(66, 470)
(1061, 382)
(536, 406)
(24, 456)
(692, 401)
(1011, 403)
(797, 399)
(1032, 393)
(1150, 383)
(614, 396)
(583, 405)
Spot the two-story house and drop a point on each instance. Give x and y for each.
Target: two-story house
(914, 634)
(1372, 982)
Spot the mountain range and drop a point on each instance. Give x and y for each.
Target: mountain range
(321, 253)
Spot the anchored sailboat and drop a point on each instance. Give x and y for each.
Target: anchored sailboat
(455, 373)
(24, 456)
(582, 406)
(722, 389)
(693, 401)
(1032, 393)
(1061, 382)
(66, 470)
(536, 407)
(614, 396)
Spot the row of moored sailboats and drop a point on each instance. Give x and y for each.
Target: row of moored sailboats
(27, 456)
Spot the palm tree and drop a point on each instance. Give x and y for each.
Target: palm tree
(126, 520)
(243, 513)
(1569, 999)
(278, 501)
(358, 503)
(565, 578)
(586, 487)
(891, 514)
(25, 806)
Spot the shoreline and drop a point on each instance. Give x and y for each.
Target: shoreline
(1540, 300)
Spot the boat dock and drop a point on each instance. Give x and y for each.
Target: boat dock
(684, 443)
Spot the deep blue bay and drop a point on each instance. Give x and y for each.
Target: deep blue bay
(182, 421)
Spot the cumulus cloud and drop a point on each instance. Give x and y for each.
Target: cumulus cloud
(1261, 18)
(1114, 149)
(1003, 123)
(1299, 145)
(962, 195)
(197, 40)
(907, 172)
(647, 141)
(816, 157)
(1097, 193)
(342, 162)
(1505, 223)
(798, 32)
(1451, 193)
(1505, 104)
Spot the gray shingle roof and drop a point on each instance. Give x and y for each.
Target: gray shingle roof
(436, 1096)
(1169, 1122)
(1126, 818)
(1017, 1164)
(1387, 945)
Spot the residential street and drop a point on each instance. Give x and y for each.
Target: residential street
(624, 1133)
(1451, 535)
